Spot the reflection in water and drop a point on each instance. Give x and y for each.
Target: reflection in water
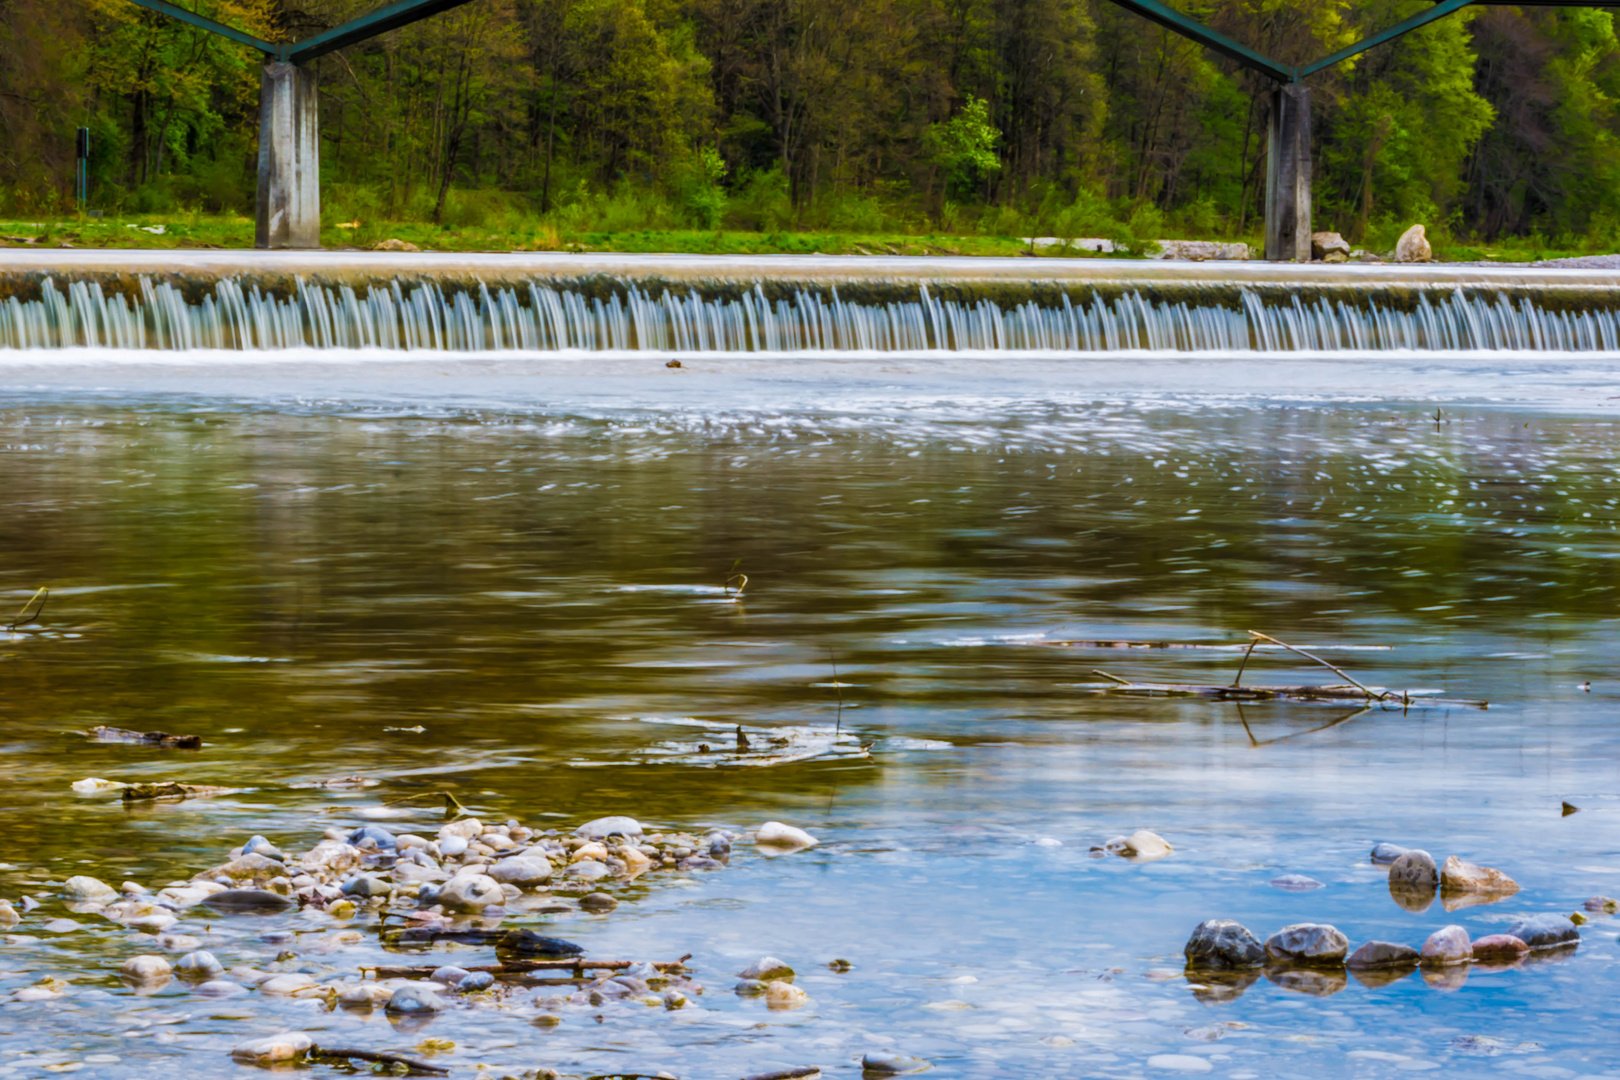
(529, 611)
(1316, 982)
(1380, 977)
(1416, 897)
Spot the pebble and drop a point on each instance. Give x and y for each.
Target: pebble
(1382, 954)
(784, 838)
(366, 885)
(524, 871)
(258, 845)
(1384, 854)
(378, 835)
(146, 968)
(674, 999)
(476, 981)
(248, 901)
(199, 965)
(364, 994)
(1415, 867)
(1544, 931)
(593, 851)
(749, 988)
(1446, 946)
(602, 828)
(287, 1046)
(415, 999)
(1459, 876)
(1223, 944)
(449, 975)
(693, 863)
(598, 902)
(720, 847)
(895, 1065)
(1310, 944)
(289, 984)
(470, 893)
(1145, 846)
(1295, 883)
(220, 988)
(784, 995)
(452, 846)
(1500, 949)
(89, 889)
(180, 943)
(765, 969)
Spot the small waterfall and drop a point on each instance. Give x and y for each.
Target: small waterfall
(543, 318)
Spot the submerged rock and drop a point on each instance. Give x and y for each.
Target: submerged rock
(145, 968)
(470, 893)
(1603, 905)
(287, 1046)
(1223, 943)
(89, 889)
(765, 969)
(1382, 954)
(1145, 846)
(780, 994)
(416, 999)
(528, 943)
(1544, 931)
(289, 984)
(475, 981)
(1384, 854)
(1446, 946)
(598, 902)
(777, 836)
(1307, 945)
(248, 901)
(1459, 876)
(1295, 883)
(892, 1065)
(199, 965)
(364, 994)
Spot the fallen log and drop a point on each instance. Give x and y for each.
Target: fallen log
(521, 967)
(103, 733)
(414, 1066)
(173, 792)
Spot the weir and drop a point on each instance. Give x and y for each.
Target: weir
(673, 304)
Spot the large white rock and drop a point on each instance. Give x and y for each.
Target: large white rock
(1143, 845)
(89, 889)
(1413, 246)
(784, 995)
(775, 836)
(290, 984)
(146, 968)
(364, 993)
(466, 828)
(523, 871)
(470, 893)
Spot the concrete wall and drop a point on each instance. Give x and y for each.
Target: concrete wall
(289, 202)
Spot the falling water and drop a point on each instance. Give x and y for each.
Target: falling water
(542, 318)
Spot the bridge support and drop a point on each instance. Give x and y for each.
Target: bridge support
(1288, 175)
(289, 200)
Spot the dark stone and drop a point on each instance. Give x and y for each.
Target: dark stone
(1223, 944)
(1384, 854)
(376, 834)
(1382, 954)
(1544, 931)
(477, 980)
(1307, 945)
(1416, 867)
(529, 943)
(248, 902)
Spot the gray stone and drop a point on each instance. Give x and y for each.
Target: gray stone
(1222, 944)
(199, 965)
(219, 988)
(416, 999)
(376, 834)
(248, 902)
(290, 984)
(287, 1046)
(720, 847)
(1447, 945)
(146, 968)
(470, 893)
(1324, 244)
(1544, 931)
(449, 974)
(1307, 944)
(1416, 867)
(1295, 883)
(524, 871)
(750, 987)
(87, 889)
(694, 863)
(258, 845)
(598, 902)
(365, 885)
(602, 828)
(589, 870)
(452, 846)
(1384, 854)
(476, 981)
(1382, 954)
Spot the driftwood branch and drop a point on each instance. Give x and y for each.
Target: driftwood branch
(380, 1057)
(520, 967)
(1258, 636)
(23, 617)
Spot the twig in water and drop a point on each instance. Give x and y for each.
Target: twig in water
(23, 618)
(739, 577)
(1111, 678)
(1238, 679)
(1386, 695)
(380, 1057)
(451, 803)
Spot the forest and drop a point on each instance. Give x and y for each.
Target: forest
(997, 117)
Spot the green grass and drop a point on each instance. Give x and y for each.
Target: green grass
(230, 231)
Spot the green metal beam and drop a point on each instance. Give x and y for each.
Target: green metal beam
(163, 7)
(1175, 21)
(1406, 26)
(367, 26)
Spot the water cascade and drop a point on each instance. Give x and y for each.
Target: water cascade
(549, 318)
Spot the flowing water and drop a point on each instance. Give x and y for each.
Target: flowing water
(525, 604)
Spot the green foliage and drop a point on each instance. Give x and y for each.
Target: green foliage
(964, 147)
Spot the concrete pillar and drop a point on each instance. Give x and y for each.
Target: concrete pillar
(289, 202)
(1288, 175)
